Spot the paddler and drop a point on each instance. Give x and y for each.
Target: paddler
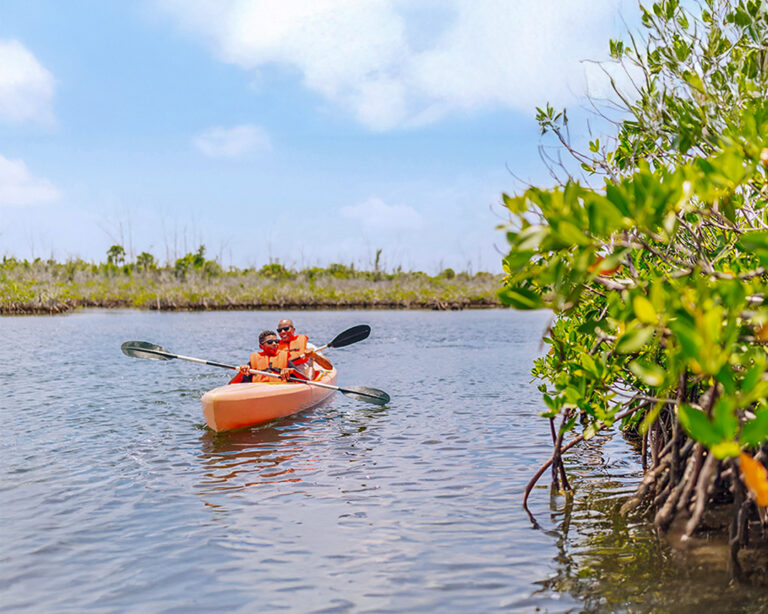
(268, 359)
(300, 353)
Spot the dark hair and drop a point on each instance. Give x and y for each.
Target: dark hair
(263, 335)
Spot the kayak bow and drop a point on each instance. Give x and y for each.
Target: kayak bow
(238, 405)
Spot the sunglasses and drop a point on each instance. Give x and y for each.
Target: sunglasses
(271, 342)
(283, 329)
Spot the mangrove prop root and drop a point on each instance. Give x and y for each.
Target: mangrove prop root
(685, 497)
(682, 386)
(703, 486)
(738, 525)
(653, 441)
(557, 455)
(660, 487)
(666, 513)
(656, 478)
(565, 448)
(649, 479)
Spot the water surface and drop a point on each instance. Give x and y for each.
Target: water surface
(114, 497)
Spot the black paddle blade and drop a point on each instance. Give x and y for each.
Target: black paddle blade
(350, 336)
(145, 349)
(369, 395)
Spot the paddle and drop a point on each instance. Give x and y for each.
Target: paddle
(144, 349)
(347, 337)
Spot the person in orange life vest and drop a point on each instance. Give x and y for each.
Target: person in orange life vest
(297, 348)
(268, 359)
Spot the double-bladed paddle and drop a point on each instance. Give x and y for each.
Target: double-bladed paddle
(144, 349)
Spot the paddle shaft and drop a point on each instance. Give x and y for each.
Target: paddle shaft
(380, 396)
(329, 386)
(211, 363)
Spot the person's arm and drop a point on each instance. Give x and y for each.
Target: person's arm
(290, 372)
(306, 356)
(319, 359)
(243, 375)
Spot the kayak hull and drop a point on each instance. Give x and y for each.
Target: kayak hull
(238, 405)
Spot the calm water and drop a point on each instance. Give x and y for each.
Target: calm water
(114, 497)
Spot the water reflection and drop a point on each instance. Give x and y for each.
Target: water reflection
(614, 564)
(239, 459)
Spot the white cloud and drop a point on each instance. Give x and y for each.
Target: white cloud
(375, 214)
(232, 142)
(19, 188)
(390, 65)
(26, 87)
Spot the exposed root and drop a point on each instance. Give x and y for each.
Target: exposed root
(666, 513)
(684, 486)
(685, 497)
(557, 458)
(649, 480)
(565, 448)
(703, 486)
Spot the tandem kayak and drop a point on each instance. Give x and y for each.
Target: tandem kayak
(237, 405)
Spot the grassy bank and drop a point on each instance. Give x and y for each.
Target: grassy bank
(194, 283)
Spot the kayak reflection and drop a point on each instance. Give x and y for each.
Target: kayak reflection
(235, 460)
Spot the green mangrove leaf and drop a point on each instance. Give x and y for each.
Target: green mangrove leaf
(518, 259)
(644, 310)
(725, 377)
(650, 417)
(521, 298)
(633, 340)
(753, 377)
(725, 419)
(618, 198)
(753, 241)
(688, 337)
(755, 431)
(516, 204)
(604, 216)
(698, 426)
(589, 365)
(569, 424)
(648, 373)
(553, 403)
(572, 234)
(725, 449)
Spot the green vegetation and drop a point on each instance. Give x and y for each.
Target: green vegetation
(658, 279)
(194, 282)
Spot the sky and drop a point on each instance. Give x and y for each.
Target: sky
(306, 132)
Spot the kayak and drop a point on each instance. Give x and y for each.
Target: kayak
(237, 405)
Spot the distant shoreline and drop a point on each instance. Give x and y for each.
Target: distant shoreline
(63, 307)
(49, 287)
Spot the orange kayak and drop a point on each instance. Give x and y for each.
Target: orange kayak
(236, 405)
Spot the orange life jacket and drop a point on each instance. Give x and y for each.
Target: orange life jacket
(294, 348)
(262, 362)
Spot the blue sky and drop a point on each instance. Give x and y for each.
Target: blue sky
(307, 132)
